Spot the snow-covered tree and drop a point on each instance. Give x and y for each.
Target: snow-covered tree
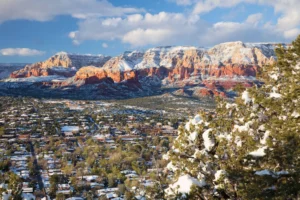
(249, 149)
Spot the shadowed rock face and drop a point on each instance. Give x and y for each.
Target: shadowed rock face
(220, 67)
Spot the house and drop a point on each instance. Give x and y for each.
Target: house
(75, 198)
(26, 188)
(64, 189)
(24, 137)
(110, 191)
(90, 178)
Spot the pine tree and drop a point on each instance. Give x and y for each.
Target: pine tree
(249, 149)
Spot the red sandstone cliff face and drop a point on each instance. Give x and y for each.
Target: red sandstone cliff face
(205, 92)
(180, 63)
(178, 73)
(90, 74)
(93, 75)
(200, 92)
(216, 69)
(38, 70)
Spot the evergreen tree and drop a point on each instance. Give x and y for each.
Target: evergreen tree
(251, 148)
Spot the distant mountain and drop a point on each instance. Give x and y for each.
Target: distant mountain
(7, 68)
(193, 71)
(62, 63)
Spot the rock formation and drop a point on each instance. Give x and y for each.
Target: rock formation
(216, 69)
(62, 63)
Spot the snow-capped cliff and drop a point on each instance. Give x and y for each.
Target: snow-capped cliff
(188, 56)
(210, 71)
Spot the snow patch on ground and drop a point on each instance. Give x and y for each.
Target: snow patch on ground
(275, 95)
(274, 76)
(209, 143)
(171, 167)
(238, 141)
(219, 174)
(243, 128)
(295, 114)
(34, 79)
(166, 156)
(230, 105)
(195, 121)
(184, 184)
(264, 139)
(246, 97)
(259, 152)
(193, 136)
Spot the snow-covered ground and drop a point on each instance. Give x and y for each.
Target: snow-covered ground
(231, 52)
(34, 79)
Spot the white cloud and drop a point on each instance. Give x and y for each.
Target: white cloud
(289, 20)
(204, 6)
(244, 31)
(254, 18)
(100, 20)
(292, 33)
(142, 37)
(104, 45)
(44, 10)
(20, 52)
(76, 42)
(140, 30)
(72, 35)
(183, 2)
(173, 29)
(289, 16)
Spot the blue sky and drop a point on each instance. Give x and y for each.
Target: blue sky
(33, 30)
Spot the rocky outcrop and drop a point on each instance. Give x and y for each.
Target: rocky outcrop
(37, 69)
(176, 63)
(181, 63)
(199, 92)
(211, 71)
(63, 64)
(226, 84)
(90, 75)
(205, 92)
